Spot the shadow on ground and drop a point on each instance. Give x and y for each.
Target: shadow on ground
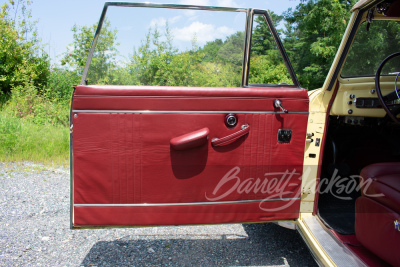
(258, 245)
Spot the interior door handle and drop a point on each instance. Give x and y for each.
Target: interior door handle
(278, 104)
(190, 140)
(232, 137)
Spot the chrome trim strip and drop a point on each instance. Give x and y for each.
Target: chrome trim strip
(71, 165)
(187, 112)
(94, 43)
(177, 6)
(185, 204)
(246, 48)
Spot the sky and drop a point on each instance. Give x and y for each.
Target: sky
(56, 19)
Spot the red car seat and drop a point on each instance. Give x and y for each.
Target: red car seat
(377, 222)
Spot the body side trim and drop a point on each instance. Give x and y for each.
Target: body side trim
(185, 204)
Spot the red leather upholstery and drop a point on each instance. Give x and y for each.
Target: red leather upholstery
(127, 158)
(190, 140)
(384, 178)
(180, 215)
(375, 229)
(181, 98)
(376, 215)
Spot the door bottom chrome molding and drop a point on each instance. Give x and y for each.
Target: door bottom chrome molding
(186, 204)
(187, 112)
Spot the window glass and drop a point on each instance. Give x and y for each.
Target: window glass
(266, 63)
(169, 47)
(371, 47)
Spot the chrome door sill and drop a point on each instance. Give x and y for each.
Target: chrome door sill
(324, 245)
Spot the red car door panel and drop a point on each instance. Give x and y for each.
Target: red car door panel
(130, 167)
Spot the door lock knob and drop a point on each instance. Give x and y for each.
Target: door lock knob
(231, 120)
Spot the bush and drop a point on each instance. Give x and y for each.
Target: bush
(22, 58)
(26, 103)
(60, 85)
(21, 139)
(10, 129)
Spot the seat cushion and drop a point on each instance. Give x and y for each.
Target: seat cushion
(375, 229)
(381, 182)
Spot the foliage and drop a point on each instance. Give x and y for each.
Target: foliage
(211, 50)
(313, 33)
(9, 130)
(266, 63)
(103, 60)
(25, 71)
(154, 61)
(231, 52)
(381, 40)
(209, 74)
(4, 98)
(25, 140)
(60, 84)
(26, 103)
(264, 69)
(262, 39)
(22, 59)
(158, 62)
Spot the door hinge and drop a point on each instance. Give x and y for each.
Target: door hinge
(71, 128)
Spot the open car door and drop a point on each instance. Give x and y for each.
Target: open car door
(174, 155)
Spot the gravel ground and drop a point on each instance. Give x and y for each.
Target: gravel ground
(34, 230)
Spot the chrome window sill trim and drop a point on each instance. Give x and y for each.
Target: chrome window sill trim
(187, 112)
(185, 204)
(176, 6)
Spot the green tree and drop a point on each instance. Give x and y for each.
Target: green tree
(381, 40)
(314, 30)
(104, 57)
(232, 50)
(211, 49)
(151, 63)
(157, 62)
(262, 39)
(266, 69)
(22, 59)
(266, 63)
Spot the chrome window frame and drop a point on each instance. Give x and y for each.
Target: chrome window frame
(278, 42)
(250, 13)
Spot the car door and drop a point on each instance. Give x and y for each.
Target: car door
(145, 155)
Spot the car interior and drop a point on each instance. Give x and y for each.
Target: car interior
(359, 196)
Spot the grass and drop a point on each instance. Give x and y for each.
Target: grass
(22, 140)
